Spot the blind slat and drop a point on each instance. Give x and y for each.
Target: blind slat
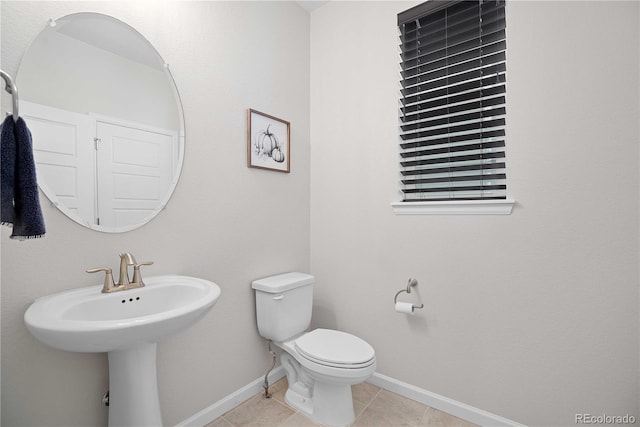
(452, 101)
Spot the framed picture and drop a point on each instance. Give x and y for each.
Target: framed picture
(268, 145)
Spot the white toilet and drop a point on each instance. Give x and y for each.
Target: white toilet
(321, 365)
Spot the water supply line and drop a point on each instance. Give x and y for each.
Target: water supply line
(265, 385)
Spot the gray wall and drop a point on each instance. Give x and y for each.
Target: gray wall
(532, 316)
(226, 222)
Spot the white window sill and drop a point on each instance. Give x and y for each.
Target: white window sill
(461, 207)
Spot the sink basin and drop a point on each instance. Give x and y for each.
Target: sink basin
(127, 325)
(86, 320)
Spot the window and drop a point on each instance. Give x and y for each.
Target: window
(452, 102)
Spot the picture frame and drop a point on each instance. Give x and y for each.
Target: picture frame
(268, 142)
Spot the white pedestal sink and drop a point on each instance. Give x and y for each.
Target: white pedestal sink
(127, 325)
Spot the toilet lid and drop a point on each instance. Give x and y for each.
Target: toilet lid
(335, 348)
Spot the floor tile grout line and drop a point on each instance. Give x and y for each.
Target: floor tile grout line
(288, 418)
(424, 414)
(368, 404)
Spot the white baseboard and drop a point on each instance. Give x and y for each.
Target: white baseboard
(229, 402)
(442, 403)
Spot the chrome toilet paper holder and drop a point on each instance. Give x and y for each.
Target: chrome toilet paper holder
(412, 283)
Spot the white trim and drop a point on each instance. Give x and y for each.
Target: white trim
(441, 403)
(455, 207)
(230, 401)
(433, 400)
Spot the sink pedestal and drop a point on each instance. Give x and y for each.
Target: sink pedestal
(133, 387)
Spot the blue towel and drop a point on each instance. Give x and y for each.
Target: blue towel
(19, 201)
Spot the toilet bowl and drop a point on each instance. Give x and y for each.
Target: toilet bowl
(321, 365)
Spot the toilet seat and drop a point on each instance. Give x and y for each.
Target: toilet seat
(335, 348)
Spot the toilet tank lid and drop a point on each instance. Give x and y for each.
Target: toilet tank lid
(282, 282)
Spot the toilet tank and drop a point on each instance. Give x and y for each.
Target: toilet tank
(283, 305)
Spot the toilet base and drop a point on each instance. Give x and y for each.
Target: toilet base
(327, 403)
(298, 402)
(330, 405)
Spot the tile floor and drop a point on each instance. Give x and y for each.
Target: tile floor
(374, 407)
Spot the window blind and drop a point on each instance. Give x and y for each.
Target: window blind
(452, 103)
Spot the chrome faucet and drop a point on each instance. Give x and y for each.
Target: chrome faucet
(126, 259)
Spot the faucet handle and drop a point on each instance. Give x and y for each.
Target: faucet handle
(137, 277)
(108, 278)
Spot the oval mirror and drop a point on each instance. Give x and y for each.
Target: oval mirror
(106, 121)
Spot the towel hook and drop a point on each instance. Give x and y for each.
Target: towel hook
(11, 88)
(412, 283)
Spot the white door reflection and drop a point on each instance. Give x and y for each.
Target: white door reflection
(105, 171)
